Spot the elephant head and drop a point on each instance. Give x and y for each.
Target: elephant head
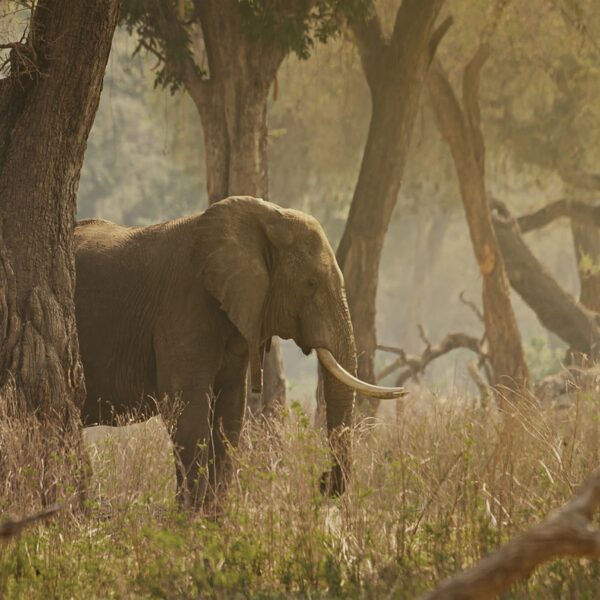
(274, 273)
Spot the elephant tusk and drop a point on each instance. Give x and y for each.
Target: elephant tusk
(375, 391)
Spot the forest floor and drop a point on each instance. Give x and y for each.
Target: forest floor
(429, 495)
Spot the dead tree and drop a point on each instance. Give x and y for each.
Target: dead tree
(460, 126)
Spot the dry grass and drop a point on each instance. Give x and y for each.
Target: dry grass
(429, 495)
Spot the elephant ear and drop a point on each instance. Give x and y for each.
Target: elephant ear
(230, 254)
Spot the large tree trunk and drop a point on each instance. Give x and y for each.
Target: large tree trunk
(395, 71)
(461, 129)
(47, 106)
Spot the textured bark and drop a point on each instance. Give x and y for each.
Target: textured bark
(395, 71)
(460, 127)
(47, 106)
(557, 310)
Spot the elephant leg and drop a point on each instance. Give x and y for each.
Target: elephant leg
(185, 371)
(192, 441)
(230, 406)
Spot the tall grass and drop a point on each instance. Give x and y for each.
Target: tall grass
(429, 495)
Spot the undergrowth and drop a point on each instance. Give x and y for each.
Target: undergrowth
(429, 495)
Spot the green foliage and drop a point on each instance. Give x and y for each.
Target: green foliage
(543, 359)
(168, 32)
(268, 20)
(146, 20)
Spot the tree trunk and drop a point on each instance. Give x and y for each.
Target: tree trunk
(557, 310)
(232, 105)
(461, 130)
(47, 106)
(395, 72)
(586, 240)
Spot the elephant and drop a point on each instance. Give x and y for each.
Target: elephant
(185, 307)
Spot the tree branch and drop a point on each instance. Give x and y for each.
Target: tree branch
(177, 56)
(11, 528)
(574, 209)
(580, 179)
(412, 17)
(471, 80)
(418, 363)
(438, 35)
(371, 44)
(447, 111)
(556, 309)
(567, 533)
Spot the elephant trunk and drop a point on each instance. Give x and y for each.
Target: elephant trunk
(339, 403)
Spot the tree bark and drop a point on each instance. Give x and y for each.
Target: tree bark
(395, 71)
(557, 310)
(47, 107)
(461, 130)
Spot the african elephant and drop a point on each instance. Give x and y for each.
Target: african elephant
(185, 306)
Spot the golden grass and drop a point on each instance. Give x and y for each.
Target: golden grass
(429, 495)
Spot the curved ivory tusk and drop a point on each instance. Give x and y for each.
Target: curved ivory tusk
(375, 391)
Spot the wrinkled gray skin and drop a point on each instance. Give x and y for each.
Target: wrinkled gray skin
(175, 308)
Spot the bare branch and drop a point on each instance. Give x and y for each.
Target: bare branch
(580, 179)
(11, 528)
(563, 208)
(472, 306)
(424, 337)
(568, 533)
(448, 113)
(438, 35)
(471, 80)
(417, 363)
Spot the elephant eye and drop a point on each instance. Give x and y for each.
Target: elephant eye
(312, 283)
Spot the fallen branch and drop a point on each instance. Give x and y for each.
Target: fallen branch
(11, 528)
(568, 533)
(417, 363)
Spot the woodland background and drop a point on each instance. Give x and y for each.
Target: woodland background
(439, 484)
(145, 163)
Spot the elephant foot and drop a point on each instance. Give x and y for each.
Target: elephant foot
(333, 482)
